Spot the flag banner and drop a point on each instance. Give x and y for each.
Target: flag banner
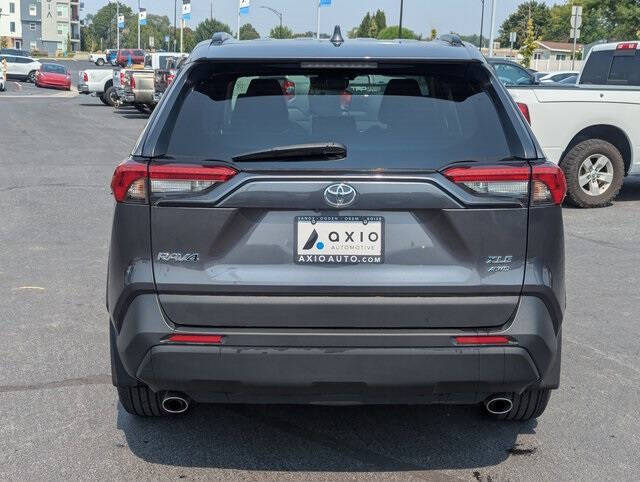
(121, 21)
(186, 9)
(243, 7)
(325, 3)
(142, 16)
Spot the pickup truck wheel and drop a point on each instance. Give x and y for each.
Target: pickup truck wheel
(594, 170)
(100, 62)
(103, 99)
(111, 96)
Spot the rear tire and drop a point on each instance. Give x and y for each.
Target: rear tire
(111, 96)
(103, 99)
(141, 401)
(31, 78)
(574, 165)
(529, 404)
(100, 62)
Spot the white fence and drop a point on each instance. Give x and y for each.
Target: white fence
(553, 65)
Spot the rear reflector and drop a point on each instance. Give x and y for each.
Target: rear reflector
(482, 340)
(524, 109)
(548, 182)
(627, 46)
(129, 181)
(207, 339)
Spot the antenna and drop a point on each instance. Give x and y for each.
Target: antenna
(336, 38)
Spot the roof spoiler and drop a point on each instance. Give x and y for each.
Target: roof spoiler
(218, 38)
(451, 39)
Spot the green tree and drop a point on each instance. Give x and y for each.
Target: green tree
(517, 22)
(529, 44)
(103, 25)
(281, 32)
(434, 34)
(247, 32)
(68, 46)
(373, 30)
(365, 26)
(381, 20)
(206, 29)
(353, 33)
(4, 42)
(393, 33)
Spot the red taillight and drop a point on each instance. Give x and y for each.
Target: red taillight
(289, 88)
(482, 340)
(122, 77)
(524, 109)
(170, 78)
(132, 81)
(85, 77)
(548, 182)
(207, 339)
(129, 181)
(627, 46)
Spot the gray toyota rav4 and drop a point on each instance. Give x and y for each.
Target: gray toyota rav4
(336, 222)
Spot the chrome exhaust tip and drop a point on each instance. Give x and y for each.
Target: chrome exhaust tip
(174, 403)
(498, 405)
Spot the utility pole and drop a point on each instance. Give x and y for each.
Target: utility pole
(400, 27)
(117, 22)
(211, 11)
(238, 12)
(493, 26)
(175, 23)
(138, 23)
(481, 23)
(318, 18)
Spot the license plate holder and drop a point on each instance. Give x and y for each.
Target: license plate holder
(339, 240)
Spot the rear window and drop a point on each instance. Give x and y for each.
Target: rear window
(57, 69)
(423, 115)
(609, 67)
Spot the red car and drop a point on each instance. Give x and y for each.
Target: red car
(136, 56)
(53, 75)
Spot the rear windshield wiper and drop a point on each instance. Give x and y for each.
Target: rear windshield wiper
(324, 151)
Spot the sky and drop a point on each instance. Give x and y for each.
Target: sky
(462, 16)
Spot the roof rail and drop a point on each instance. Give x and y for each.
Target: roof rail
(452, 39)
(218, 38)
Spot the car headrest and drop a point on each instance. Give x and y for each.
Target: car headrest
(262, 87)
(396, 88)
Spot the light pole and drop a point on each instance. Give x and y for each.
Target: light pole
(400, 26)
(175, 24)
(277, 12)
(138, 24)
(117, 23)
(481, 23)
(493, 25)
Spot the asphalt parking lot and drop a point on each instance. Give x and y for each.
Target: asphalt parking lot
(59, 416)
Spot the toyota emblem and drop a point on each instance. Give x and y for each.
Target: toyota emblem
(340, 195)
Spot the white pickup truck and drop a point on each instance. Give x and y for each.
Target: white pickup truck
(592, 130)
(98, 82)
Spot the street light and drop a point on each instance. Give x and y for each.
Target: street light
(481, 24)
(277, 12)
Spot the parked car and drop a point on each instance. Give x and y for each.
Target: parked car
(98, 82)
(98, 59)
(53, 75)
(16, 52)
(163, 78)
(538, 75)
(558, 76)
(3, 84)
(512, 73)
(406, 249)
(124, 56)
(591, 130)
(140, 88)
(22, 68)
(571, 80)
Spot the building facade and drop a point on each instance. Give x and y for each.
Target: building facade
(31, 25)
(10, 24)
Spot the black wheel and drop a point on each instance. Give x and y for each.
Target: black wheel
(100, 62)
(142, 108)
(595, 171)
(31, 78)
(103, 99)
(529, 404)
(141, 401)
(111, 96)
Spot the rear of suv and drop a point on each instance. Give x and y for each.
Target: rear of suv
(390, 233)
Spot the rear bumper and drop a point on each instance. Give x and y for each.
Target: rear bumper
(333, 365)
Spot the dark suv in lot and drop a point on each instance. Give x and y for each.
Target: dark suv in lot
(390, 233)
